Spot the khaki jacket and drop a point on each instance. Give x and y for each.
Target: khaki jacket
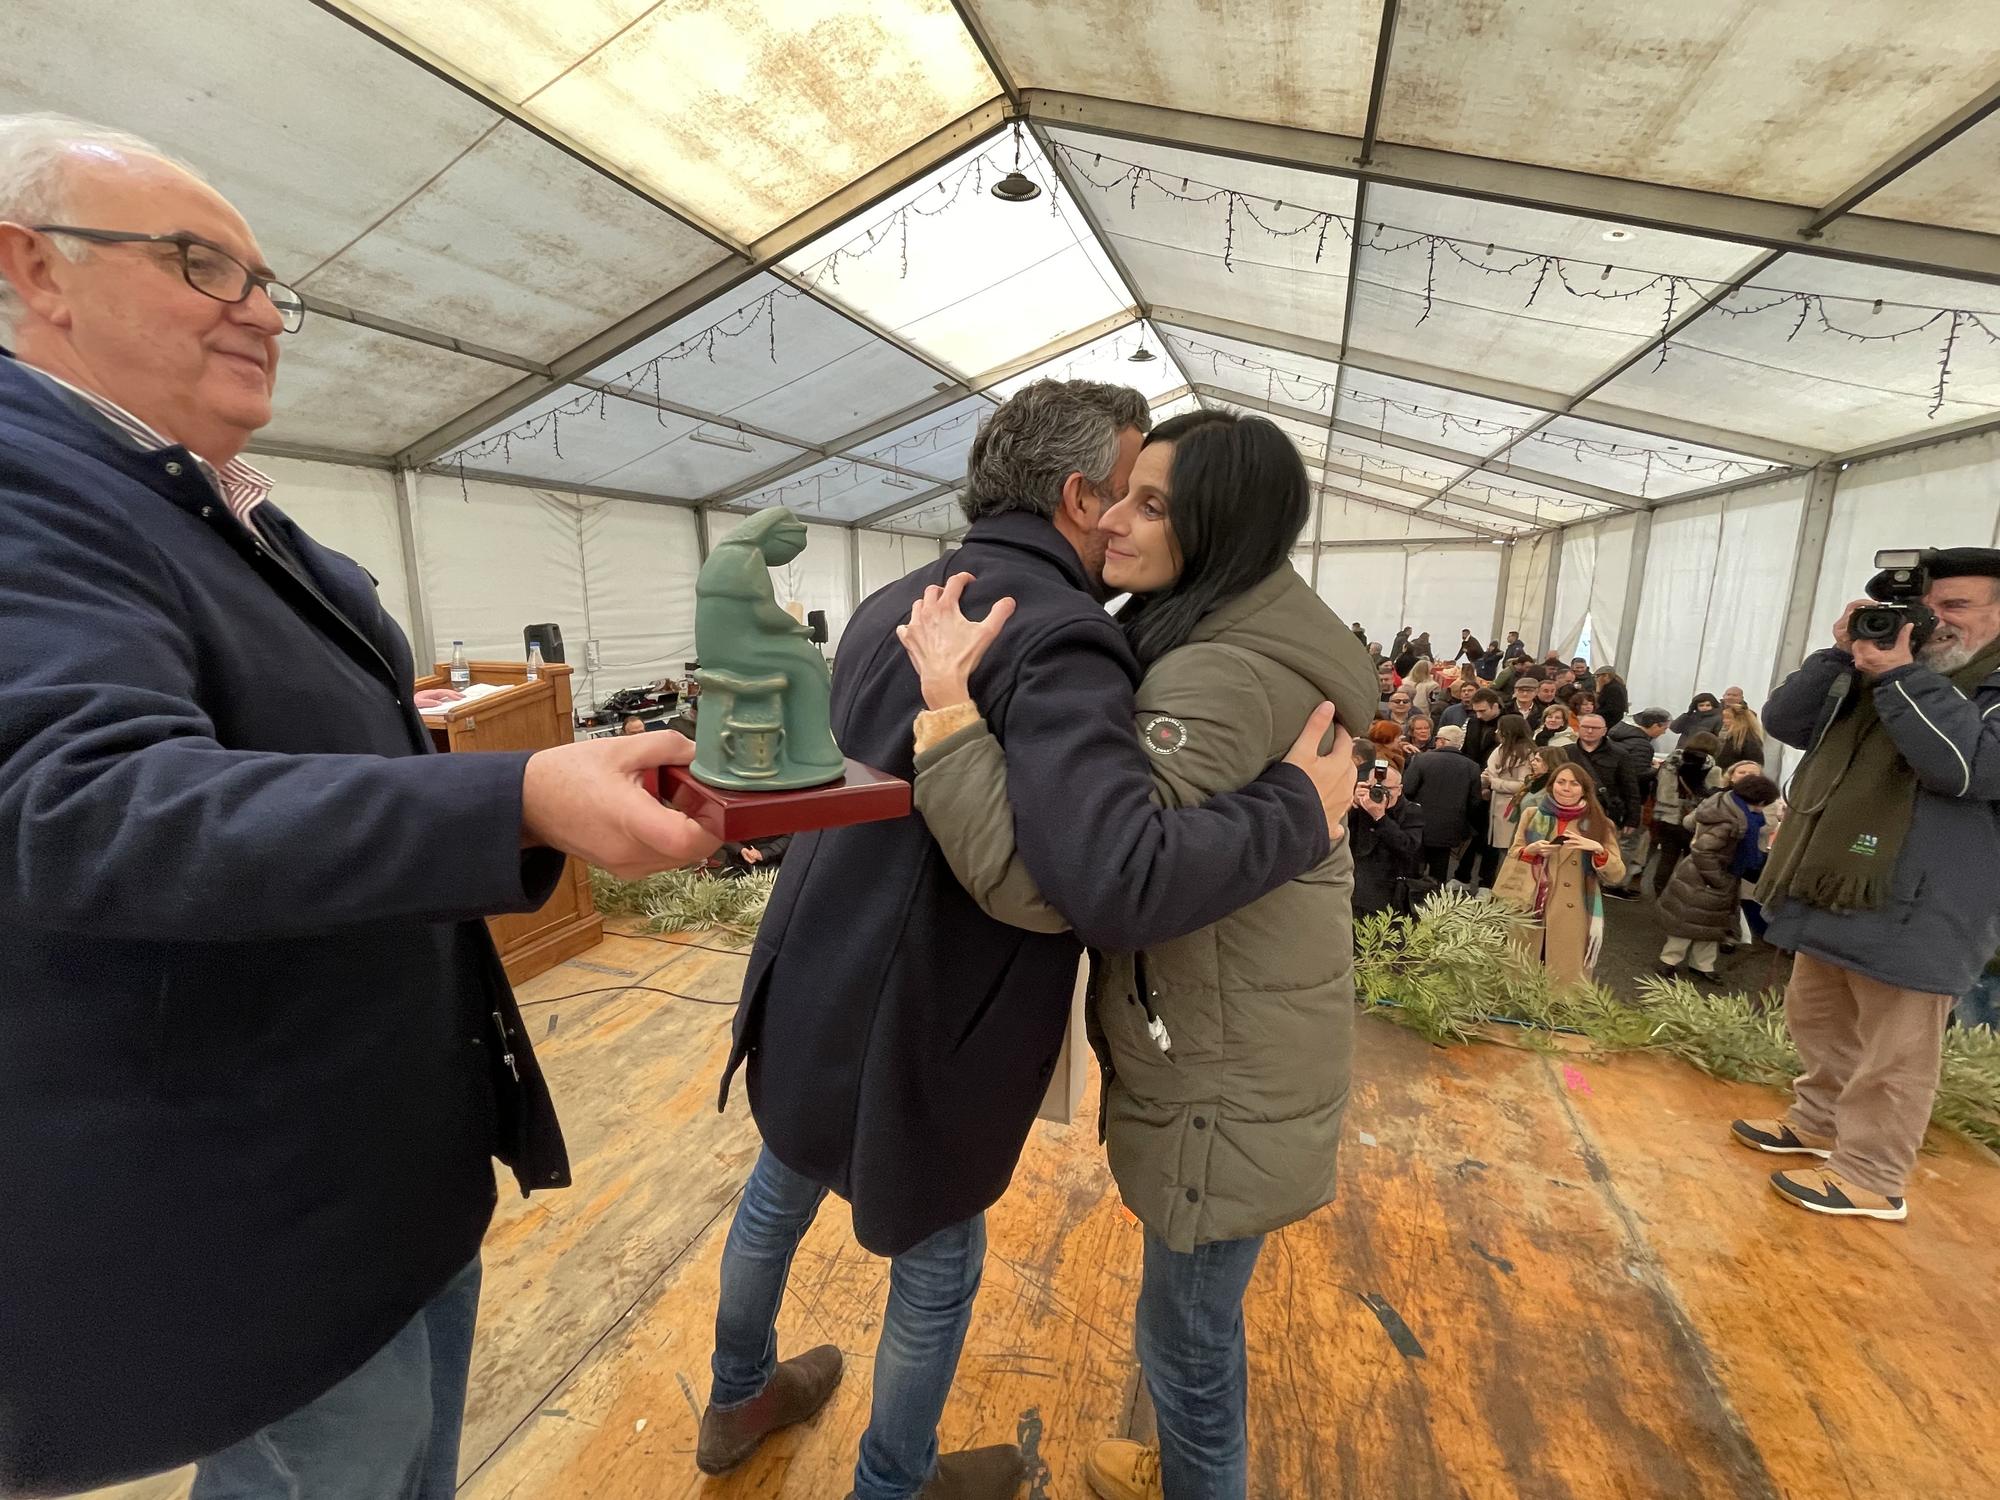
(1232, 1130)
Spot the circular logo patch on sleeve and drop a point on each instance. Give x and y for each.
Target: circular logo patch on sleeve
(1165, 735)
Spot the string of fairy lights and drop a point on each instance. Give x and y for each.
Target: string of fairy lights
(1573, 276)
(1310, 391)
(1541, 273)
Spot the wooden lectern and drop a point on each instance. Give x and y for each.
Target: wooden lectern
(523, 716)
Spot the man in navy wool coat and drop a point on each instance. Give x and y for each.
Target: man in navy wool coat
(256, 1047)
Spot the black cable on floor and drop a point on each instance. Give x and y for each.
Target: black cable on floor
(612, 989)
(651, 937)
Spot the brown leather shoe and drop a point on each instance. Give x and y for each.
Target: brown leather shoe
(976, 1474)
(798, 1389)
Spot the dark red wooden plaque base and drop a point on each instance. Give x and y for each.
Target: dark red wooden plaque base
(863, 795)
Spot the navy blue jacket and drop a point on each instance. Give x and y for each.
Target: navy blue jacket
(899, 1040)
(251, 1055)
(1941, 922)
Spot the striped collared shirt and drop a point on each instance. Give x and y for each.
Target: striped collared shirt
(241, 487)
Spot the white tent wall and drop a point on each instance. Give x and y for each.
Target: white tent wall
(639, 565)
(496, 558)
(1440, 589)
(1344, 519)
(1527, 583)
(1595, 571)
(1945, 495)
(353, 511)
(886, 558)
(1366, 584)
(818, 578)
(1712, 609)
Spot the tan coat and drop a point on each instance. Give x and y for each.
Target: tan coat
(1506, 787)
(1234, 1131)
(1562, 940)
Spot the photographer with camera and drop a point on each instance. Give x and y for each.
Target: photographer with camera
(1875, 879)
(1385, 832)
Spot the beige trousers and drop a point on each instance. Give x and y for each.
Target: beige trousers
(1706, 954)
(1871, 1053)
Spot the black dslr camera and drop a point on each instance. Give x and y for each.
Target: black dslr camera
(1901, 586)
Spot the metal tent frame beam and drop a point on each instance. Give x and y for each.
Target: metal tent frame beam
(751, 260)
(1439, 451)
(1777, 226)
(1464, 383)
(1652, 346)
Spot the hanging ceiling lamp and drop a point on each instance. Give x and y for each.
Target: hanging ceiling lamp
(1141, 355)
(1016, 186)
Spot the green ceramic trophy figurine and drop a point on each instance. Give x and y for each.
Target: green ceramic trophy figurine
(766, 694)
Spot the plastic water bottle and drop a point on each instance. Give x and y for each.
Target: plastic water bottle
(534, 661)
(461, 674)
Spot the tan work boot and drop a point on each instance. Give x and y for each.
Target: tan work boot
(976, 1474)
(1780, 1138)
(1827, 1192)
(798, 1389)
(1124, 1470)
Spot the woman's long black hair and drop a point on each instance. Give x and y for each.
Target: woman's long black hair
(1240, 499)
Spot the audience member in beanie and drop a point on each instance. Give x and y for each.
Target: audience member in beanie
(1682, 784)
(1445, 785)
(1703, 716)
(1635, 739)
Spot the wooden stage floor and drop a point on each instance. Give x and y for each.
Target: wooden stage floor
(1544, 1278)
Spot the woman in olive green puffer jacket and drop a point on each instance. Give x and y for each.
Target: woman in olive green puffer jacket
(1226, 1050)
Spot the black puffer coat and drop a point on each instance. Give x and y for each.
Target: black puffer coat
(1700, 901)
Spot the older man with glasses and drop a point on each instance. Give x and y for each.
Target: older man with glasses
(256, 1047)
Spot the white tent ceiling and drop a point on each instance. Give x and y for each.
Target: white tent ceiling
(1497, 269)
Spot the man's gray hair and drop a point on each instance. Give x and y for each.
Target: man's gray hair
(36, 152)
(1041, 435)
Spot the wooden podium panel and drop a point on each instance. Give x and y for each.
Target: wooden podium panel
(524, 716)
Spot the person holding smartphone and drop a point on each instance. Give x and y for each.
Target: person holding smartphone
(1564, 851)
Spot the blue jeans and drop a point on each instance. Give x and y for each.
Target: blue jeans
(389, 1431)
(931, 1288)
(1980, 1005)
(1190, 1328)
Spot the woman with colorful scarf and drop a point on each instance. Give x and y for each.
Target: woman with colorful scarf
(1564, 852)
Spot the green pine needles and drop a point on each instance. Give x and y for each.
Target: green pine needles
(687, 901)
(1450, 974)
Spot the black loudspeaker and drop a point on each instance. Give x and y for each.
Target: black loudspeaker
(550, 637)
(816, 626)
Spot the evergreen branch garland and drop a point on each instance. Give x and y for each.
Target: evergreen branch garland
(687, 901)
(1450, 973)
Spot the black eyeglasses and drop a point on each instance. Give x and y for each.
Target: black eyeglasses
(209, 269)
